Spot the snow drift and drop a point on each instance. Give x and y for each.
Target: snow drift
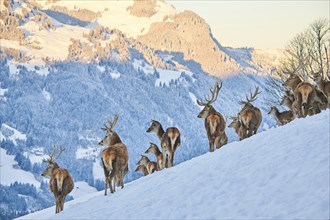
(281, 173)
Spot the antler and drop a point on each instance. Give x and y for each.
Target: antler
(112, 124)
(51, 155)
(214, 93)
(252, 97)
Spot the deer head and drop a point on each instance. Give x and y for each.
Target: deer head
(287, 99)
(153, 148)
(235, 122)
(110, 133)
(144, 160)
(154, 127)
(52, 165)
(293, 81)
(208, 101)
(252, 98)
(273, 110)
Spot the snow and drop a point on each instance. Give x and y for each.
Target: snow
(10, 173)
(115, 75)
(35, 155)
(12, 67)
(54, 43)
(117, 15)
(46, 95)
(3, 91)
(82, 189)
(98, 172)
(101, 68)
(7, 132)
(281, 173)
(142, 65)
(194, 99)
(90, 152)
(165, 76)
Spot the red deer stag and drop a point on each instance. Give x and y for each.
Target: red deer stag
(307, 98)
(304, 95)
(250, 117)
(114, 157)
(292, 82)
(323, 85)
(61, 182)
(281, 118)
(153, 148)
(169, 141)
(215, 123)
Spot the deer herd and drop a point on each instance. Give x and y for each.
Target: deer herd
(302, 98)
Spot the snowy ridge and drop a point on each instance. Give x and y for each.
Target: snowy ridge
(53, 44)
(281, 173)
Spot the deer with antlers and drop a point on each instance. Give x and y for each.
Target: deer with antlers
(292, 82)
(250, 116)
(114, 157)
(153, 148)
(323, 85)
(308, 99)
(169, 141)
(304, 95)
(61, 182)
(215, 123)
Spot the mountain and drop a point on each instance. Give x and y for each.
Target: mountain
(67, 66)
(281, 173)
(149, 25)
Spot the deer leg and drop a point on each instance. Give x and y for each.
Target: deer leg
(105, 186)
(172, 159)
(110, 184)
(299, 101)
(220, 141)
(57, 206)
(112, 180)
(211, 144)
(106, 174)
(164, 158)
(62, 203)
(63, 200)
(211, 148)
(122, 181)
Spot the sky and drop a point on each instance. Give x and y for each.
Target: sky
(258, 24)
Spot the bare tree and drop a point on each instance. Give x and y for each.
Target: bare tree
(306, 55)
(319, 40)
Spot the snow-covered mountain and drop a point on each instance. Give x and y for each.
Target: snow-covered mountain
(46, 31)
(281, 173)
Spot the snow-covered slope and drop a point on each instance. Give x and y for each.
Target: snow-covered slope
(11, 173)
(281, 173)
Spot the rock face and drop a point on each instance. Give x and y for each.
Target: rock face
(189, 34)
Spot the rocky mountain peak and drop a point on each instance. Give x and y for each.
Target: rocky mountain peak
(189, 34)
